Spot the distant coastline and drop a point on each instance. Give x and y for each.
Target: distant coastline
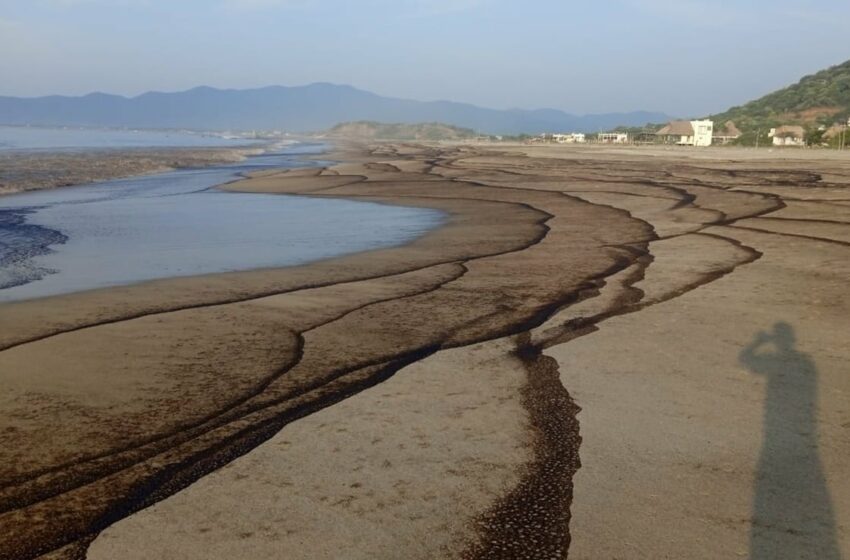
(25, 138)
(36, 157)
(36, 170)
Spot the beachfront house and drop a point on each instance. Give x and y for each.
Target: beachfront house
(687, 133)
(612, 138)
(835, 130)
(788, 135)
(571, 138)
(728, 133)
(676, 132)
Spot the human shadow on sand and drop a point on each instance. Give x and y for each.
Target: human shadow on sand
(792, 510)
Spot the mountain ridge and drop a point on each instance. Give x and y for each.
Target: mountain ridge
(313, 107)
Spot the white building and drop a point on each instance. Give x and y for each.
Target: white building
(703, 132)
(687, 133)
(613, 137)
(787, 135)
(571, 138)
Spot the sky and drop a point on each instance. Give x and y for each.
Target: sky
(683, 57)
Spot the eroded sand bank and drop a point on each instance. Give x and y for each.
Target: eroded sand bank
(627, 283)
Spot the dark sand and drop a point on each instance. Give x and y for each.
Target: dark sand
(40, 169)
(477, 343)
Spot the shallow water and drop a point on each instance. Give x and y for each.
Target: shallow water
(178, 224)
(44, 138)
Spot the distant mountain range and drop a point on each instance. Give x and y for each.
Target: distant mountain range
(308, 108)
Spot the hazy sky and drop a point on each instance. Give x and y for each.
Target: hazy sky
(684, 57)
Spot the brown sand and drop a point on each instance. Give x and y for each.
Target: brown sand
(38, 169)
(405, 467)
(637, 276)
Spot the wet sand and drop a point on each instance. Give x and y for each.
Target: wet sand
(47, 169)
(572, 362)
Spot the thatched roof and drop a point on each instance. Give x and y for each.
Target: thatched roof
(834, 130)
(792, 131)
(729, 130)
(677, 128)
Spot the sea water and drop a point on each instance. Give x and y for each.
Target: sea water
(178, 224)
(31, 138)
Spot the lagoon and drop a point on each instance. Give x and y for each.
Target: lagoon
(179, 224)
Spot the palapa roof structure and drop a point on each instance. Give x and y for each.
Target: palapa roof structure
(729, 130)
(792, 131)
(677, 128)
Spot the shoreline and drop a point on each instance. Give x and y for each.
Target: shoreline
(467, 213)
(35, 170)
(522, 271)
(218, 182)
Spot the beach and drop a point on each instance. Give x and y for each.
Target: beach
(179, 223)
(20, 172)
(43, 157)
(606, 352)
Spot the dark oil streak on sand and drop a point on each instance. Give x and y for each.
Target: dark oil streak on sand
(4, 506)
(532, 521)
(196, 470)
(197, 465)
(544, 217)
(181, 433)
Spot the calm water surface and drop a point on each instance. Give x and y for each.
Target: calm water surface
(178, 224)
(23, 138)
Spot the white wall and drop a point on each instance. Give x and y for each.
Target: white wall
(788, 141)
(703, 131)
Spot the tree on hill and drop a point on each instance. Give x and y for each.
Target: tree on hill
(648, 128)
(814, 136)
(819, 99)
(758, 137)
(401, 131)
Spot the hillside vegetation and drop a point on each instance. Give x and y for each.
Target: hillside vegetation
(820, 99)
(399, 131)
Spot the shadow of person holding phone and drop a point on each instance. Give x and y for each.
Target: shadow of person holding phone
(792, 510)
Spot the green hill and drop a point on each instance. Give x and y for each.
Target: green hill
(819, 99)
(371, 130)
